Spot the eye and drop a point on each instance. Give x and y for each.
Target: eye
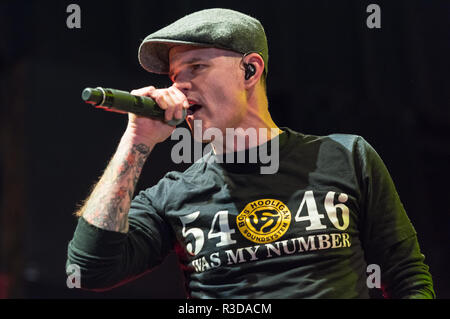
(195, 67)
(191, 68)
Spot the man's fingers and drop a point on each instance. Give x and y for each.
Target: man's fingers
(147, 91)
(166, 102)
(180, 101)
(179, 96)
(171, 99)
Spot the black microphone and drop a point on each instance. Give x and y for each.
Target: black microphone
(124, 102)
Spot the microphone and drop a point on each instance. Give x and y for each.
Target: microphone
(123, 102)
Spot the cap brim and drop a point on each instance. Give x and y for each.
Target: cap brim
(153, 54)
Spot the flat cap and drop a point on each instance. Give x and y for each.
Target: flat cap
(218, 28)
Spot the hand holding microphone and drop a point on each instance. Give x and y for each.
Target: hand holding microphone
(124, 102)
(152, 113)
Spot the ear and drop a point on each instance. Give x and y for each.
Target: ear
(258, 63)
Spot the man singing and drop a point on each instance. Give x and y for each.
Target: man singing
(308, 229)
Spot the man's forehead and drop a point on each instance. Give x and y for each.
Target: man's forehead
(183, 53)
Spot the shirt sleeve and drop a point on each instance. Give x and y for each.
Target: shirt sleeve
(108, 259)
(388, 236)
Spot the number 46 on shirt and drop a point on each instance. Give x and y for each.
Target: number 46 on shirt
(312, 216)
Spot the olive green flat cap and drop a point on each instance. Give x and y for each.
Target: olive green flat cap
(218, 28)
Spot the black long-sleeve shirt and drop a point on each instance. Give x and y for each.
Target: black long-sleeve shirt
(308, 231)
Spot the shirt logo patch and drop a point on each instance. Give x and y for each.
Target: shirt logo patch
(264, 220)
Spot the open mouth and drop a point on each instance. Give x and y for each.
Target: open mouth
(193, 108)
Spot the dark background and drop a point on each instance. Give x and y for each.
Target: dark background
(328, 73)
